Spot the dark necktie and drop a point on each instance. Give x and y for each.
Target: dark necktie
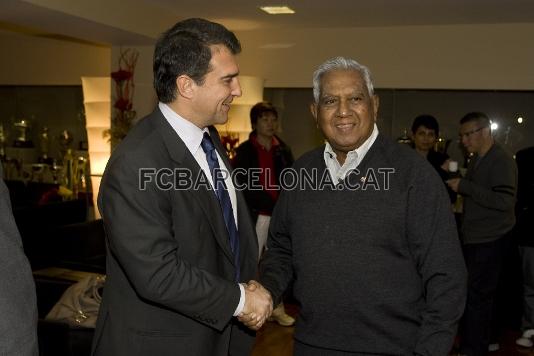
(224, 197)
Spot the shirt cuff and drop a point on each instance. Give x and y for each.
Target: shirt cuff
(241, 304)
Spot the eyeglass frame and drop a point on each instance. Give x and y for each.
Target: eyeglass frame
(469, 133)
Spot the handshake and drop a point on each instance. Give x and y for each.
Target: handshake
(258, 305)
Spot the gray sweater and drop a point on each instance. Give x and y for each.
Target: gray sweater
(377, 270)
(489, 190)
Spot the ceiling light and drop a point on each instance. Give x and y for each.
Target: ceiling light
(519, 120)
(494, 126)
(277, 10)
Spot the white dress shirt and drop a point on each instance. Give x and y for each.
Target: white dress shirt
(192, 136)
(354, 158)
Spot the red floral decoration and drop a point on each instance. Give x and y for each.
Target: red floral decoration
(230, 143)
(122, 104)
(124, 115)
(121, 75)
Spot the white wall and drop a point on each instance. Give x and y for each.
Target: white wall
(28, 60)
(446, 57)
(424, 57)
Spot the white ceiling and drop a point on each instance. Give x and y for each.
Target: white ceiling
(357, 13)
(139, 22)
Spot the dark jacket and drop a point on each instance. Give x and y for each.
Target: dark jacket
(489, 191)
(524, 228)
(247, 157)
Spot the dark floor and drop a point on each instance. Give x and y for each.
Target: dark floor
(509, 348)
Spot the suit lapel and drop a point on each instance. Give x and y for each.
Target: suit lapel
(205, 198)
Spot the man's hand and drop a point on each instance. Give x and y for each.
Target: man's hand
(453, 183)
(258, 305)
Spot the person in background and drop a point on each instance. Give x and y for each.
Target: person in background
(375, 256)
(425, 133)
(524, 232)
(18, 302)
(179, 237)
(489, 192)
(265, 151)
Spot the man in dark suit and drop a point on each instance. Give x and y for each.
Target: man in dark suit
(178, 233)
(18, 305)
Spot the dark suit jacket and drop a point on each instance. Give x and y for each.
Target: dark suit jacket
(170, 286)
(18, 305)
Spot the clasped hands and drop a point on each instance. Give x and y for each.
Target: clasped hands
(453, 184)
(258, 305)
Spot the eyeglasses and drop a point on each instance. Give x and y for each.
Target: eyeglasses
(469, 133)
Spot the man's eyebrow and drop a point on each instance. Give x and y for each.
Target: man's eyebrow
(232, 75)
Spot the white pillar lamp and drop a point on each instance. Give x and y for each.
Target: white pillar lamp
(97, 102)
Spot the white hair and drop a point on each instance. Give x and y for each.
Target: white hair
(342, 63)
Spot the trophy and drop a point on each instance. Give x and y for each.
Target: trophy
(65, 140)
(404, 138)
(22, 139)
(44, 145)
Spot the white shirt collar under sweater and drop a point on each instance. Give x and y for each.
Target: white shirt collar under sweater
(353, 160)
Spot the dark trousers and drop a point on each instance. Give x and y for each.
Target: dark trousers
(483, 263)
(527, 259)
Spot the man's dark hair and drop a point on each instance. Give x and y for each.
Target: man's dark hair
(185, 49)
(427, 121)
(259, 109)
(478, 117)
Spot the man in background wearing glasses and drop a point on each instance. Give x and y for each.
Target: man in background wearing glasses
(489, 191)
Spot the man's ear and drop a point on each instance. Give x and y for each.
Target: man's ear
(185, 86)
(376, 103)
(313, 109)
(486, 131)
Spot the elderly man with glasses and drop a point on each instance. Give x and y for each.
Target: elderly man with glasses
(489, 191)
